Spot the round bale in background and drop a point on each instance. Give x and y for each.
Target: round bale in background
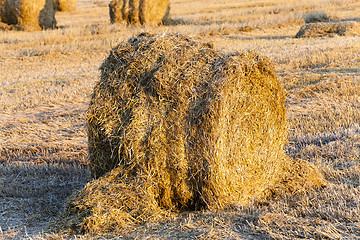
(154, 11)
(175, 125)
(119, 11)
(133, 16)
(139, 11)
(29, 14)
(124, 11)
(66, 5)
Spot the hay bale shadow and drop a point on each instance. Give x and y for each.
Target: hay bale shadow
(175, 21)
(32, 195)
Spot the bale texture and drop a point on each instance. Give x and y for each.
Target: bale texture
(66, 5)
(1, 8)
(154, 11)
(139, 11)
(29, 14)
(119, 11)
(329, 29)
(133, 17)
(175, 125)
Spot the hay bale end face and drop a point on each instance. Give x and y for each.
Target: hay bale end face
(29, 14)
(329, 29)
(175, 125)
(139, 11)
(66, 5)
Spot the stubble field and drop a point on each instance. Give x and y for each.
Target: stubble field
(47, 77)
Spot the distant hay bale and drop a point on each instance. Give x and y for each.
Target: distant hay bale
(139, 11)
(66, 5)
(133, 17)
(316, 16)
(154, 11)
(322, 29)
(175, 125)
(119, 11)
(29, 14)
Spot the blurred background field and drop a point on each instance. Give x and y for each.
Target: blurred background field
(47, 78)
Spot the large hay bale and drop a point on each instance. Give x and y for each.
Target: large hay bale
(175, 125)
(324, 29)
(29, 14)
(66, 5)
(139, 11)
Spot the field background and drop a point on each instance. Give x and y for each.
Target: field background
(46, 79)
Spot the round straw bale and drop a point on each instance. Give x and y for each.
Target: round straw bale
(133, 17)
(29, 14)
(119, 11)
(139, 11)
(175, 125)
(323, 29)
(154, 11)
(66, 5)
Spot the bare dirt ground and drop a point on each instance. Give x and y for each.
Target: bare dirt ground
(46, 80)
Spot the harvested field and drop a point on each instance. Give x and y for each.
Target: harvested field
(46, 82)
